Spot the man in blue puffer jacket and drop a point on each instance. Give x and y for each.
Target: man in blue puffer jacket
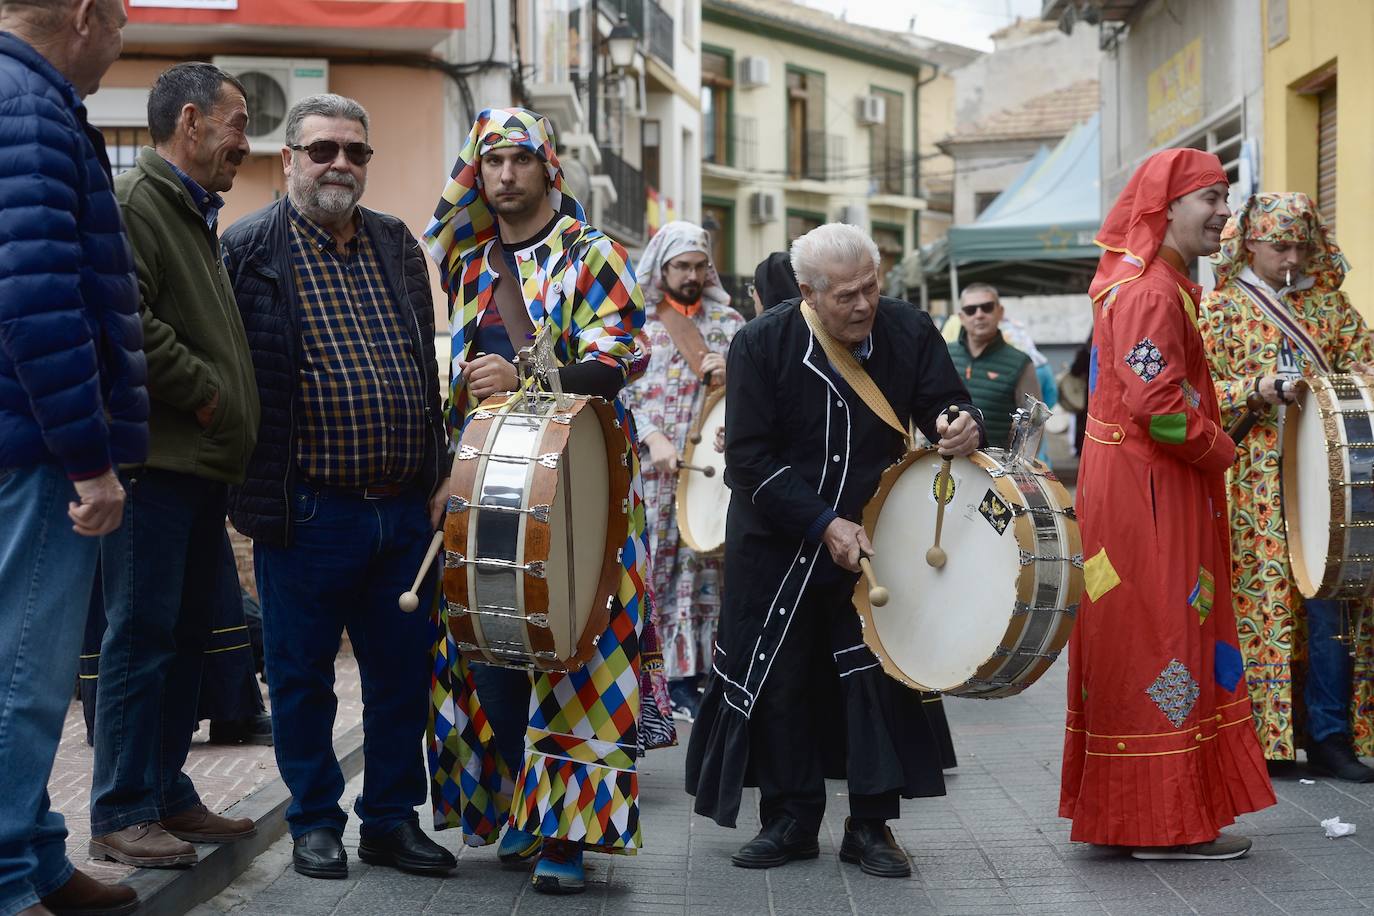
(72, 408)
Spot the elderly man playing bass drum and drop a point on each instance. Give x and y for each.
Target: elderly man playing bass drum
(821, 392)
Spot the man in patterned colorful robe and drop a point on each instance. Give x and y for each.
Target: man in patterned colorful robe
(1158, 750)
(569, 741)
(1278, 314)
(689, 328)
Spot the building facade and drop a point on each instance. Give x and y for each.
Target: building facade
(805, 120)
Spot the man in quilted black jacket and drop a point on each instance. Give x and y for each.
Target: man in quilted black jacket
(73, 406)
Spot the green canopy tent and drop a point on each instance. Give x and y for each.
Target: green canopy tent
(1036, 237)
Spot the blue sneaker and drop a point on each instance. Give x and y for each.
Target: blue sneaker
(517, 847)
(559, 870)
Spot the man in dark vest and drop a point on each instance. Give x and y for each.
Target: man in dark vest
(997, 375)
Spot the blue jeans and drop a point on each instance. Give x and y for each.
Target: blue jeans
(47, 571)
(162, 570)
(1326, 695)
(349, 561)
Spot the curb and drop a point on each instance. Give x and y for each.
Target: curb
(174, 891)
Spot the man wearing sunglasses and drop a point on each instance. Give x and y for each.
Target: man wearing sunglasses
(997, 375)
(336, 300)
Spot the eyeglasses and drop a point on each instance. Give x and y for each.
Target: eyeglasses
(323, 152)
(973, 309)
(688, 268)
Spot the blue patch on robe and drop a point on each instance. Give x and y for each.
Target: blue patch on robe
(1092, 370)
(1228, 666)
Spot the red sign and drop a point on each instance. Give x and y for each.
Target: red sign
(329, 14)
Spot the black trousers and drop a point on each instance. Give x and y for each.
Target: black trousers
(827, 708)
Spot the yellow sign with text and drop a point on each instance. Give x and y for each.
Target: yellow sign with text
(1174, 93)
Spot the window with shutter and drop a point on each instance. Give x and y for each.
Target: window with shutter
(1326, 154)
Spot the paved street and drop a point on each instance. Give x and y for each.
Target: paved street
(992, 846)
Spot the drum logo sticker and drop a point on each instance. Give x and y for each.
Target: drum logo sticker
(942, 487)
(997, 513)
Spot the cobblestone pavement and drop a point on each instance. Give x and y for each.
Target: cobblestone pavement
(993, 845)
(223, 774)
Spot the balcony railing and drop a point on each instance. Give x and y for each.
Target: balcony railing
(625, 218)
(652, 23)
(739, 147)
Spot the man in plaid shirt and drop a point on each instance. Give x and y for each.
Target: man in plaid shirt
(336, 302)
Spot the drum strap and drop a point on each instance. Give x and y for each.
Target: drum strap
(510, 301)
(852, 372)
(685, 334)
(1283, 318)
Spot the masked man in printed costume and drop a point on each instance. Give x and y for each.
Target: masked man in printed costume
(1159, 754)
(796, 694)
(1276, 315)
(689, 328)
(569, 741)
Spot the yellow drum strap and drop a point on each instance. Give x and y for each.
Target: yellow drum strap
(853, 373)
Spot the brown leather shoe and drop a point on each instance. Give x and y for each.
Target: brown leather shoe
(83, 895)
(144, 846)
(199, 825)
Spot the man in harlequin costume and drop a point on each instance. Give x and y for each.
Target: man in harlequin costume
(1159, 754)
(505, 218)
(1278, 314)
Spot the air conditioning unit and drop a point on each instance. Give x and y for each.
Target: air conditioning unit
(273, 85)
(872, 109)
(763, 207)
(753, 71)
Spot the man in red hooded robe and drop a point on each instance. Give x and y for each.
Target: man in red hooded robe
(1159, 752)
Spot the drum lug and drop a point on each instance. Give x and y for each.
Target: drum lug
(624, 459)
(457, 504)
(546, 656)
(535, 568)
(468, 647)
(624, 507)
(549, 460)
(539, 620)
(452, 559)
(482, 415)
(540, 513)
(454, 610)
(467, 453)
(563, 418)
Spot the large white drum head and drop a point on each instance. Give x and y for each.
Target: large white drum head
(580, 509)
(1307, 493)
(942, 625)
(704, 501)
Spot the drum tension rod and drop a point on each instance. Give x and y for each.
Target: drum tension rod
(1368, 524)
(1338, 484)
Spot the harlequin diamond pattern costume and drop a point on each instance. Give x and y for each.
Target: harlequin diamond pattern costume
(1158, 749)
(577, 780)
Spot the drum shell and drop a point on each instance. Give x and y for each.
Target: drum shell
(701, 502)
(535, 541)
(1041, 602)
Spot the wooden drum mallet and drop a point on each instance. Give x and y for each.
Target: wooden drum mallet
(935, 556)
(410, 600)
(877, 594)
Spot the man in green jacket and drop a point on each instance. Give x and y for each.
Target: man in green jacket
(997, 375)
(166, 566)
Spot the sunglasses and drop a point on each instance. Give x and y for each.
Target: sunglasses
(323, 152)
(984, 307)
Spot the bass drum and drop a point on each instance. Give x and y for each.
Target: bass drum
(702, 502)
(994, 618)
(1328, 487)
(534, 530)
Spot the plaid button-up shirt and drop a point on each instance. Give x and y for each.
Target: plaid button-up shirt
(361, 397)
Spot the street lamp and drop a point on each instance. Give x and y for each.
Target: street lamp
(621, 43)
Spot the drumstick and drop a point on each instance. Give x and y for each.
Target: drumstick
(704, 470)
(877, 595)
(411, 600)
(935, 556)
(1255, 407)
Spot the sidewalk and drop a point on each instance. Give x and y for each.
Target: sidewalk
(223, 774)
(993, 845)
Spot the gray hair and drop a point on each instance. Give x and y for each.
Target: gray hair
(814, 253)
(194, 83)
(982, 288)
(326, 105)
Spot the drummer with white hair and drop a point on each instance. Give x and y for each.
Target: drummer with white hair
(821, 391)
(689, 325)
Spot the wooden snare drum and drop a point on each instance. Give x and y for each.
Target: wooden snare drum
(534, 531)
(994, 618)
(1328, 487)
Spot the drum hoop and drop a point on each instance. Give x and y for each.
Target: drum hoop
(455, 578)
(684, 526)
(1323, 398)
(1025, 534)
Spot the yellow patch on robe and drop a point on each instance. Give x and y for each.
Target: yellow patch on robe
(1099, 576)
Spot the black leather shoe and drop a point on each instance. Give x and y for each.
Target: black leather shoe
(408, 849)
(320, 854)
(257, 730)
(872, 846)
(1335, 757)
(777, 844)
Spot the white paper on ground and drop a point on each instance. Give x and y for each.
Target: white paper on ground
(1308, 782)
(1335, 827)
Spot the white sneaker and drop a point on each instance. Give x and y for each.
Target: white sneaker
(1223, 847)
